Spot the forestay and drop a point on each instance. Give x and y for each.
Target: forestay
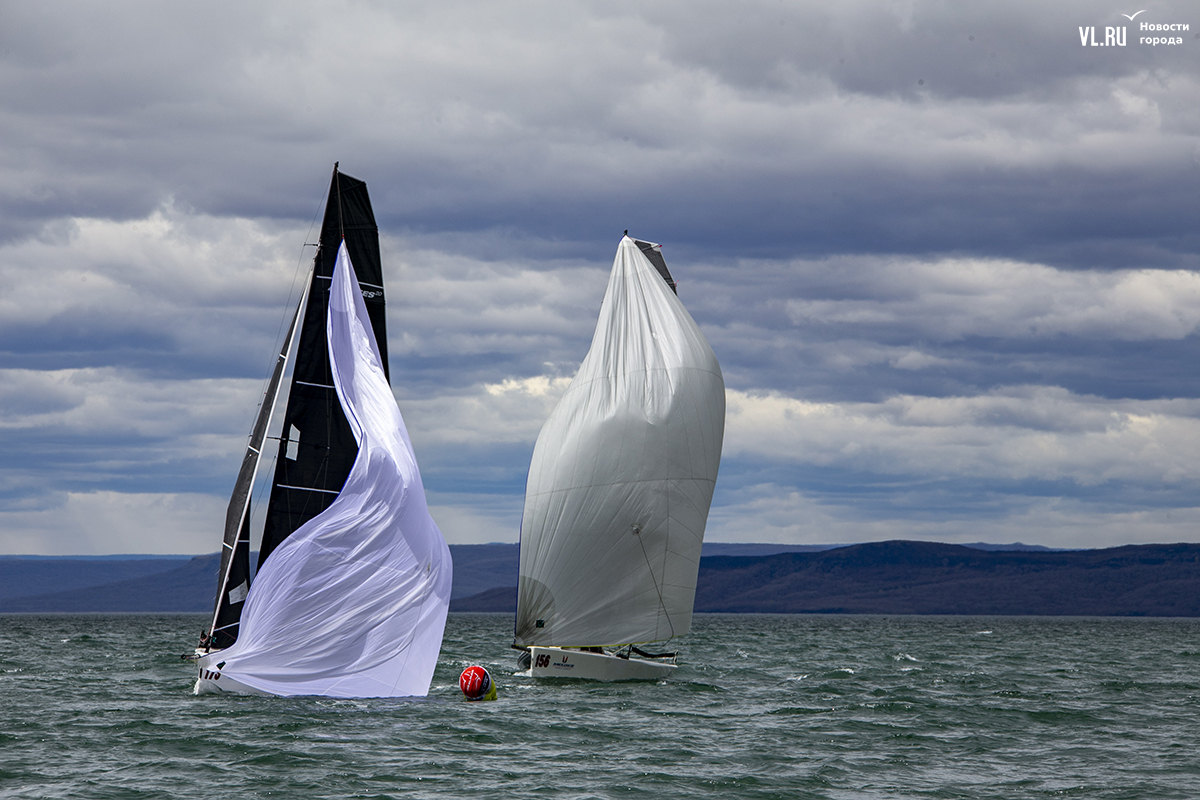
(353, 604)
(622, 475)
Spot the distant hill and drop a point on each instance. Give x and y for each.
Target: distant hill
(479, 567)
(186, 586)
(902, 577)
(177, 585)
(898, 577)
(26, 575)
(742, 549)
(1035, 548)
(502, 598)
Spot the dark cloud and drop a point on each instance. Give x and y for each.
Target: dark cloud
(984, 51)
(718, 127)
(946, 254)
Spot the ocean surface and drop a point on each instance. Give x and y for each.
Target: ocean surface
(762, 707)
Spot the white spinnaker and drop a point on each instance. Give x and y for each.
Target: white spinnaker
(353, 604)
(622, 475)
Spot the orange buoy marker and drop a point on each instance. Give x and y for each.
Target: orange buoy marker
(477, 684)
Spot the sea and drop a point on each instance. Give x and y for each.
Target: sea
(762, 706)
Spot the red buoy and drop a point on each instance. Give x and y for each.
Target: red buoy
(476, 683)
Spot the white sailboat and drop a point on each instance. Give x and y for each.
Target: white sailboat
(620, 485)
(351, 595)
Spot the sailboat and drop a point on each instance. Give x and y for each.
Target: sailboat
(620, 485)
(353, 583)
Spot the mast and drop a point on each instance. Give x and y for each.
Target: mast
(234, 578)
(317, 447)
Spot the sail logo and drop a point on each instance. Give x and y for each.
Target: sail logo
(369, 294)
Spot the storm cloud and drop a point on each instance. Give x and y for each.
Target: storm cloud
(946, 255)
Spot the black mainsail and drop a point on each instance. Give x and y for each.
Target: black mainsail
(317, 447)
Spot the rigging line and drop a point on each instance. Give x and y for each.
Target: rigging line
(291, 292)
(299, 262)
(661, 603)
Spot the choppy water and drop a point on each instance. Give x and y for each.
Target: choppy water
(763, 706)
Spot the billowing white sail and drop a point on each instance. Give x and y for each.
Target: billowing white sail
(623, 474)
(353, 604)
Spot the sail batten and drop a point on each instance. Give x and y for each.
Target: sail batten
(305, 488)
(623, 473)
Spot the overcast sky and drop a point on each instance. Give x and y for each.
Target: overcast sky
(947, 254)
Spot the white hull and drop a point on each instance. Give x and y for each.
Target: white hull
(211, 681)
(557, 662)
